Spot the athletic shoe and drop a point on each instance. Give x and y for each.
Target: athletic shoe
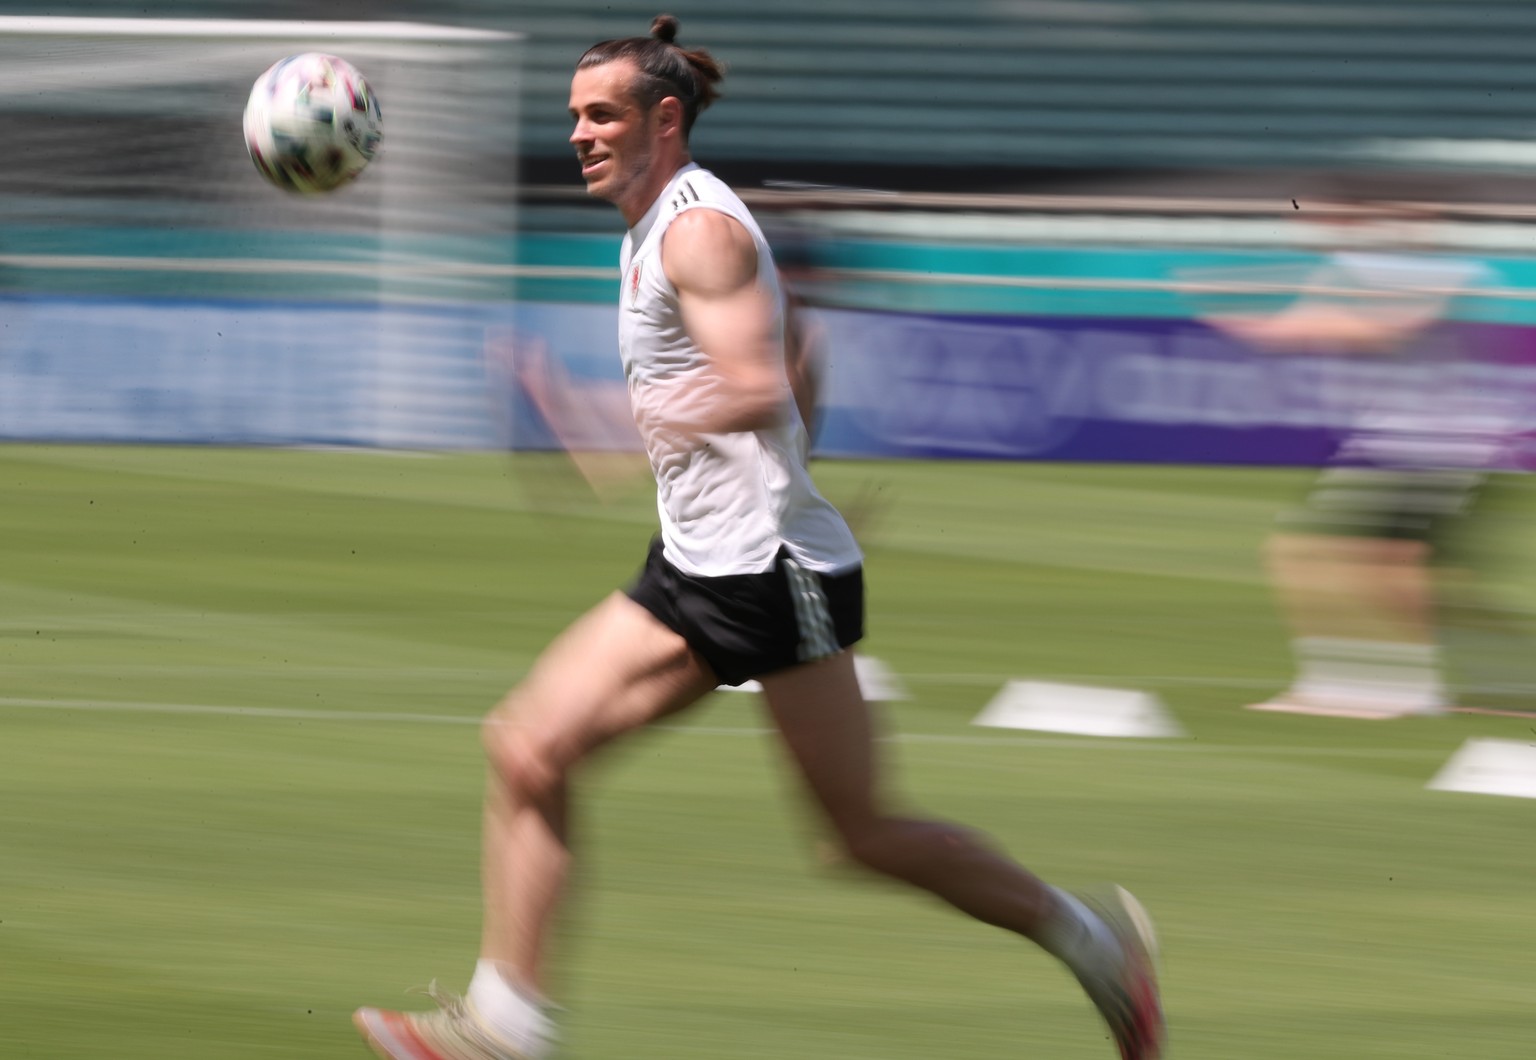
(1126, 994)
(454, 1032)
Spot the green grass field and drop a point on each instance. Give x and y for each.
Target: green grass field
(239, 776)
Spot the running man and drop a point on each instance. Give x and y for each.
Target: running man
(1367, 566)
(754, 575)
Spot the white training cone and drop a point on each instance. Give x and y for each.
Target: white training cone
(1079, 709)
(878, 681)
(1490, 767)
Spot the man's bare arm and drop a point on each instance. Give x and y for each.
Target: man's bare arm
(711, 261)
(591, 420)
(1330, 328)
(803, 358)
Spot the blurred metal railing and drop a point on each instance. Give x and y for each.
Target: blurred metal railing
(826, 197)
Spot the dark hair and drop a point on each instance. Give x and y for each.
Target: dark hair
(665, 68)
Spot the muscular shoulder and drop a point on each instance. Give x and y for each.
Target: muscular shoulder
(706, 250)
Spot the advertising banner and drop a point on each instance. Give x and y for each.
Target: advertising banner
(1095, 389)
(246, 373)
(896, 385)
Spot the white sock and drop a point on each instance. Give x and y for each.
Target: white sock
(1337, 668)
(1079, 938)
(510, 1013)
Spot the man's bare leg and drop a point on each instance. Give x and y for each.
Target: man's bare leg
(615, 670)
(1361, 615)
(829, 731)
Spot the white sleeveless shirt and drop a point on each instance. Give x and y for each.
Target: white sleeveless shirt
(728, 502)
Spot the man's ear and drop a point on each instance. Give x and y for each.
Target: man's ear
(669, 116)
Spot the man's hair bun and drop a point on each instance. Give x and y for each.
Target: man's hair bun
(664, 28)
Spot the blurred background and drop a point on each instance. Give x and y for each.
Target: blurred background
(1064, 189)
(1181, 347)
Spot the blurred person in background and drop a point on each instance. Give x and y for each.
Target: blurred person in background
(754, 575)
(793, 245)
(799, 251)
(1364, 566)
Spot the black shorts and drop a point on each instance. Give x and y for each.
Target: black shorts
(747, 625)
(1405, 504)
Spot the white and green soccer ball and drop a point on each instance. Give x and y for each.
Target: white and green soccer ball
(312, 124)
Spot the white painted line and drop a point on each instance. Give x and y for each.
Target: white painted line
(961, 740)
(222, 710)
(67, 622)
(1180, 746)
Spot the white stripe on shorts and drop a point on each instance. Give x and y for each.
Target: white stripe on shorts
(812, 613)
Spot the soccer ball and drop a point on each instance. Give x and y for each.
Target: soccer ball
(312, 124)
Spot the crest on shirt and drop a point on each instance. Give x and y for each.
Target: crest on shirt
(634, 281)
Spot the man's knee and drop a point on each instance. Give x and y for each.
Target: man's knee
(524, 762)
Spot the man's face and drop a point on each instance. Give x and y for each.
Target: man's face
(613, 136)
